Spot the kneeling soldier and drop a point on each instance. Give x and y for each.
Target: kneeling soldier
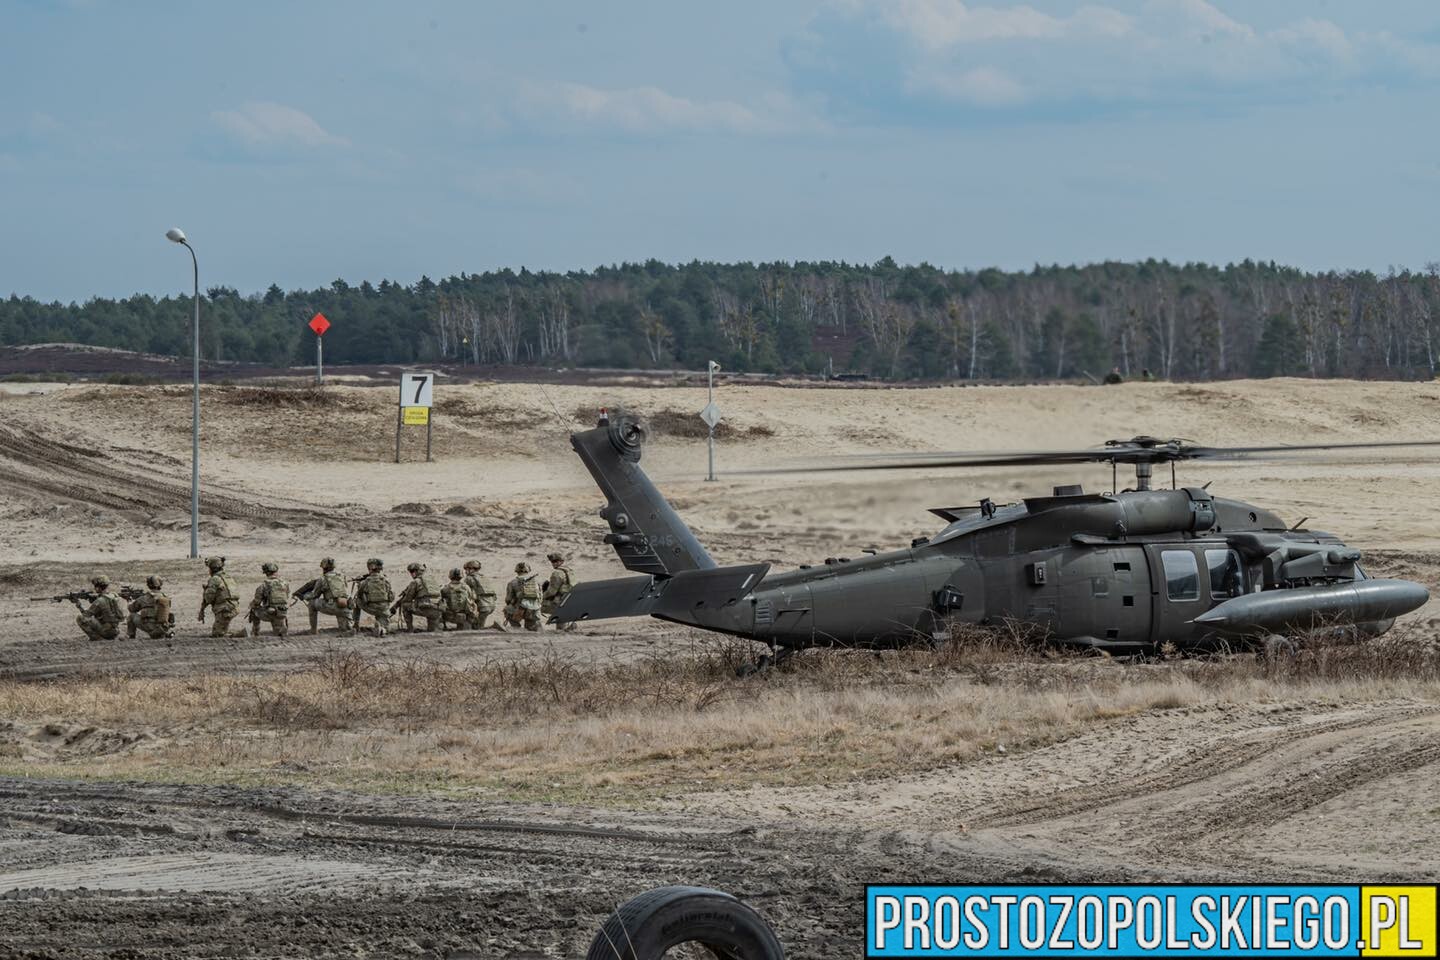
(482, 594)
(271, 603)
(101, 620)
(420, 598)
(458, 603)
(373, 595)
(151, 612)
(328, 595)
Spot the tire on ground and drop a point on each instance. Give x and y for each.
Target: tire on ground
(653, 922)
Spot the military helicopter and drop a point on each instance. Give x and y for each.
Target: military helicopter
(1125, 572)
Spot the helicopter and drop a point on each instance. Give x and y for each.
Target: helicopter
(1127, 572)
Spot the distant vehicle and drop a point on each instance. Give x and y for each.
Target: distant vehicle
(1125, 572)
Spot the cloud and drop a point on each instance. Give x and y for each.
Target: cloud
(926, 61)
(652, 111)
(265, 124)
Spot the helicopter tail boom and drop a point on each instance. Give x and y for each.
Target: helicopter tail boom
(709, 598)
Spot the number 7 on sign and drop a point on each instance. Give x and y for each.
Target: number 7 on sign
(417, 389)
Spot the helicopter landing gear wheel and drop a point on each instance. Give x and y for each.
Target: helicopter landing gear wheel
(762, 663)
(646, 927)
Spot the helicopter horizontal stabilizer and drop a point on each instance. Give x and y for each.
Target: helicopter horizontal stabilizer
(1360, 601)
(689, 597)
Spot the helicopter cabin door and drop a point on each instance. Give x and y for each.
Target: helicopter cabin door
(1178, 590)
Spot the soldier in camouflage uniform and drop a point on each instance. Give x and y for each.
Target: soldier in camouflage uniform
(101, 620)
(271, 602)
(522, 599)
(222, 596)
(151, 612)
(421, 597)
(373, 595)
(483, 595)
(458, 603)
(557, 588)
(329, 595)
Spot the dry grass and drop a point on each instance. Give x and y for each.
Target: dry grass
(555, 726)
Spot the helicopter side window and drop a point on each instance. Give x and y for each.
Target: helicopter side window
(1227, 578)
(1182, 574)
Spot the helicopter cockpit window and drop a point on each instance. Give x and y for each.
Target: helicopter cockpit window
(1182, 574)
(1226, 576)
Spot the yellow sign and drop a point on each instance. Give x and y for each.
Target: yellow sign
(416, 416)
(1397, 921)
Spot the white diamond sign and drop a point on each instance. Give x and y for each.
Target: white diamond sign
(711, 414)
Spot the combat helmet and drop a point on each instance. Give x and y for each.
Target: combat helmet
(456, 573)
(99, 581)
(472, 564)
(414, 567)
(522, 567)
(375, 563)
(154, 582)
(327, 564)
(555, 557)
(216, 564)
(269, 567)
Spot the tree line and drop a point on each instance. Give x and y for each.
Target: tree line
(1177, 321)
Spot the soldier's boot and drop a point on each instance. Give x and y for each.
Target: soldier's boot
(409, 619)
(432, 624)
(314, 622)
(343, 625)
(281, 627)
(532, 623)
(130, 631)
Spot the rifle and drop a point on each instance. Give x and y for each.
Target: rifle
(90, 596)
(306, 591)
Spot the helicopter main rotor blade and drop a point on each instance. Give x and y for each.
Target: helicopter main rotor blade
(1119, 453)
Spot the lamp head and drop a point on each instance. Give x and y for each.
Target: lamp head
(175, 235)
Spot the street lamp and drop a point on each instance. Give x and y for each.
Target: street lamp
(176, 235)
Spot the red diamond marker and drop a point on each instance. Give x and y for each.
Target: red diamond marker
(319, 324)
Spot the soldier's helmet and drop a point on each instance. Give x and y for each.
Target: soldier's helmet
(269, 567)
(375, 563)
(522, 567)
(456, 573)
(414, 567)
(327, 564)
(555, 557)
(100, 581)
(154, 582)
(215, 564)
(472, 564)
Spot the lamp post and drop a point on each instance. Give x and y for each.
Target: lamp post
(176, 235)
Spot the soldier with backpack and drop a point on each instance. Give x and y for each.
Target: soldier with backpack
(457, 603)
(271, 602)
(482, 593)
(222, 596)
(101, 620)
(522, 599)
(373, 595)
(151, 612)
(327, 594)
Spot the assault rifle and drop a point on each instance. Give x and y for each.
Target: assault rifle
(306, 591)
(90, 596)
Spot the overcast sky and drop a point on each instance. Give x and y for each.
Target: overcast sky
(298, 142)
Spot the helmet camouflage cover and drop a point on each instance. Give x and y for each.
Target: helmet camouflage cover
(215, 563)
(456, 573)
(414, 567)
(522, 567)
(154, 582)
(472, 564)
(375, 562)
(555, 557)
(100, 581)
(328, 563)
(269, 566)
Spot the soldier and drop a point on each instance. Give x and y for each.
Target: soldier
(221, 595)
(421, 597)
(151, 612)
(483, 595)
(373, 595)
(522, 599)
(101, 620)
(271, 602)
(327, 594)
(557, 588)
(458, 603)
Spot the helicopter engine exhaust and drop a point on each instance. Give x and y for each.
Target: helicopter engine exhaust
(1359, 601)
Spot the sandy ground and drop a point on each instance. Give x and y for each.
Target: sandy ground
(95, 478)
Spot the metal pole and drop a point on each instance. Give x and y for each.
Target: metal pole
(399, 421)
(195, 420)
(319, 359)
(710, 398)
(429, 422)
